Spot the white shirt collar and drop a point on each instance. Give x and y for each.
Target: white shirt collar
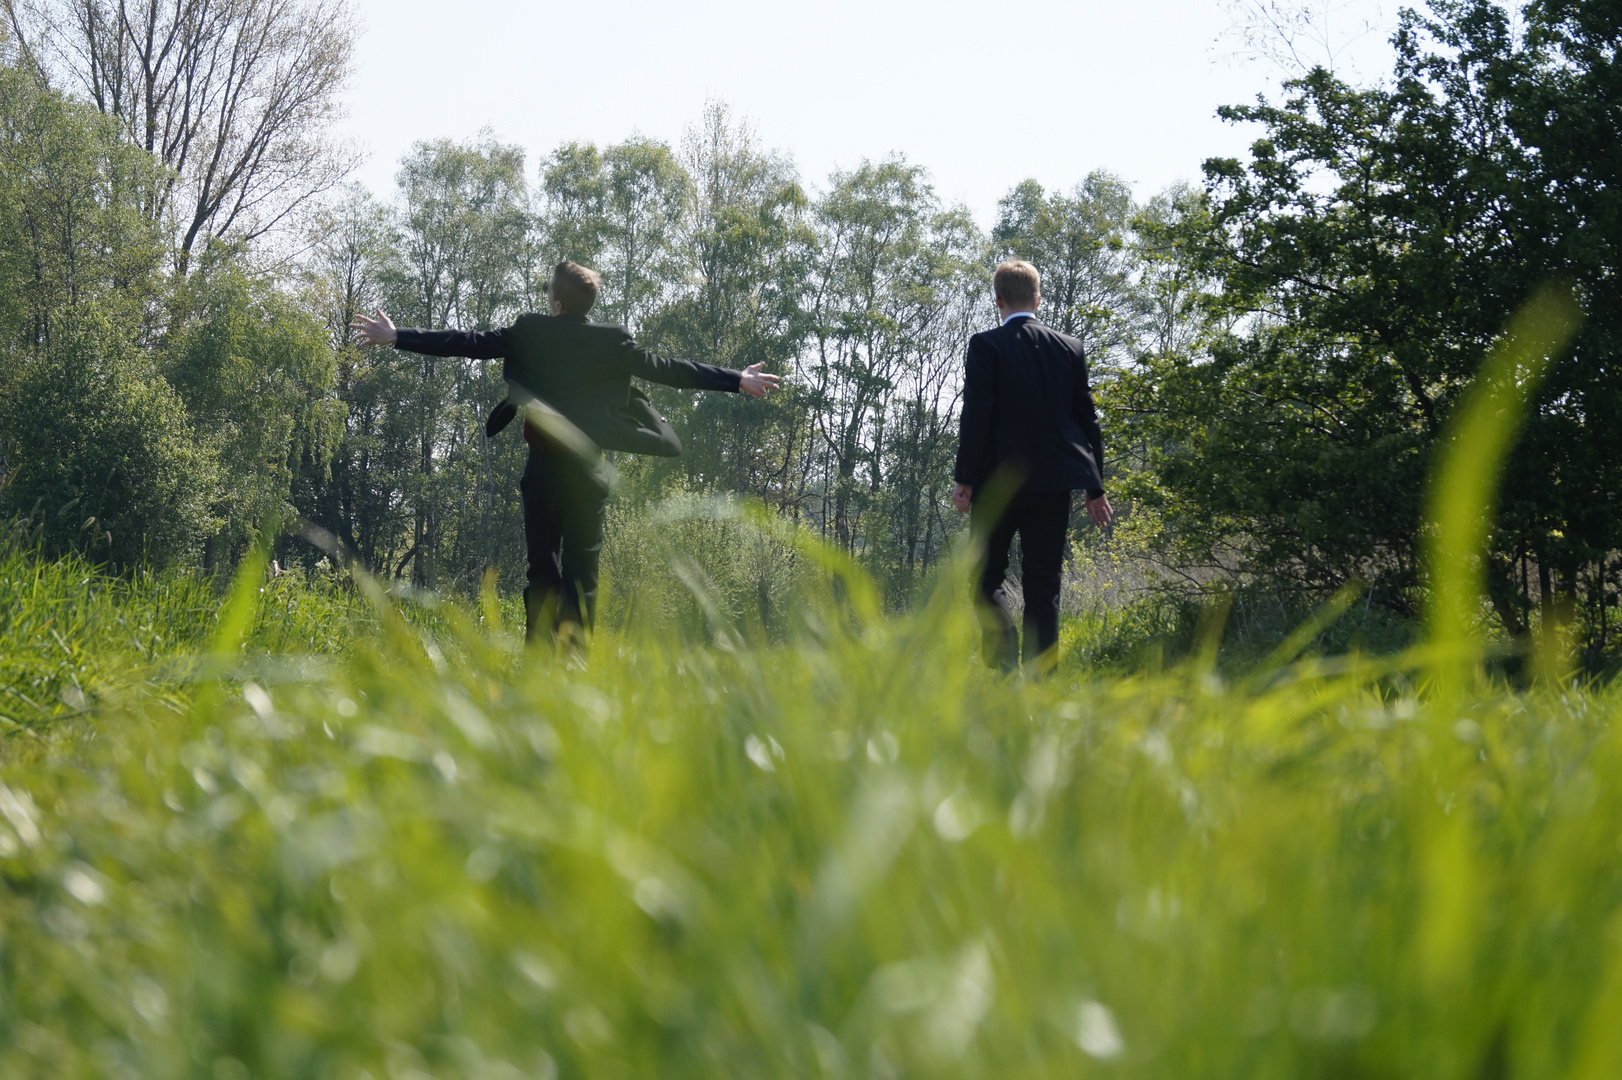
(1019, 315)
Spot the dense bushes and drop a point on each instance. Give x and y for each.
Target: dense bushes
(102, 455)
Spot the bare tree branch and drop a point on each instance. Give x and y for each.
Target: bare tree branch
(235, 97)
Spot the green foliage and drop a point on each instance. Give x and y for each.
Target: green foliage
(102, 457)
(95, 448)
(1240, 627)
(71, 226)
(1078, 242)
(698, 568)
(744, 249)
(254, 370)
(856, 849)
(1367, 256)
(1276, 355)
(74, 636)
(453, 258)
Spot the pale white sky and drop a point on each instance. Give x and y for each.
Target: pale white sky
(1127, 85)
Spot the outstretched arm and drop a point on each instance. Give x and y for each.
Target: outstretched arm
(479, 345)
(692, 375)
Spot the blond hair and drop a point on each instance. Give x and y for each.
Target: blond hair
(574, 287)
(1017, 284)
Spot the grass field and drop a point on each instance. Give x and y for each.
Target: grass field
(335, 841)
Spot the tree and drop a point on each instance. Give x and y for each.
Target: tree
(102, 454)
(1168, 301)
(255, 372)
(233, 97)
(1295, 36)
(872, 230)
(355, 494)
(1079, 244)
(1371, 251)
(646, 194)
(94, 445)
(463, 222)
(574, 196)
(908, 534)
(735, 300)
(71, 231)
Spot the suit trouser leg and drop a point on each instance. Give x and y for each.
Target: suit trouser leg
(543, 541)
(563, 531)
(584, 504)
(999, 636)
(1044, 524)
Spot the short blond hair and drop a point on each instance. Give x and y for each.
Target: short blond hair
(574, 287)
(1016, 283)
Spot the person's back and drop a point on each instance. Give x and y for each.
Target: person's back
(583, 369)
(1043, 426)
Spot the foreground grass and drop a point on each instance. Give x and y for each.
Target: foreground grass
(859, 854)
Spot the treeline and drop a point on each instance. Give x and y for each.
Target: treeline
(863, 295)
(1276, 352)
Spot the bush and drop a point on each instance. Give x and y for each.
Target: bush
(101, 456)
(699, 566)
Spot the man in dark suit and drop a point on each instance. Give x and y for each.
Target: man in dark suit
(572, 378)
(1029, 437)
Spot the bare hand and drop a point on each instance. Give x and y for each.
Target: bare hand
(1100, 511)
(378, 331)
(962, 495)
(754, 383)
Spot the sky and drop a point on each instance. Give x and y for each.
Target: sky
(981, 97)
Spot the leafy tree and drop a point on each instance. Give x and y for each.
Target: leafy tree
(71, 228)
(352, 494)
(867, 308)
(1168, 301)
(255, 372)
(1371, 250)
(574, 196)
(647, 192)
(736, 297)
(1079, 243)
(464, 216)
(908, 534)
(102, 454)
(94, 445)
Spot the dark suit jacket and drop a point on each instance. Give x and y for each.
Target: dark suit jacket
(583, 370)
(1027, 405)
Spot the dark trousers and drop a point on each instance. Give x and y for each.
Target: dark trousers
(1042, 520)
(563, 529)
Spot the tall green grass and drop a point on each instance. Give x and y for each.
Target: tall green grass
(840, 849)
(72, 636)
(856, 854)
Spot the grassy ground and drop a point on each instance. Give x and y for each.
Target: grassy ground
(855, 853)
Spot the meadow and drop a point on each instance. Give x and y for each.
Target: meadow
(311, 829)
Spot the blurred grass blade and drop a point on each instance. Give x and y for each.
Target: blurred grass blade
(1463, 494)
(236, 617)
